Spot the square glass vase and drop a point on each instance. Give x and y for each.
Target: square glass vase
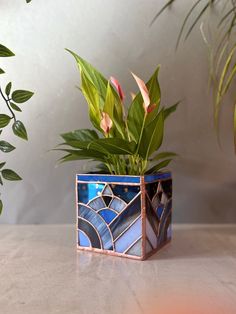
(128, 216)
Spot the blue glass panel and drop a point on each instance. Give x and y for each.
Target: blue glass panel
(97, 203)
(117, 204)
(95, 220)
(83, 239)
(88, 229)
(87, 191)
(127, 238)
(158, 176)
(108, 178)
(125, 192)
(122, 221)
(160, 210)
(107, 200)
(107, 214)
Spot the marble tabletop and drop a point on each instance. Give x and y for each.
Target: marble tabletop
(42, 273)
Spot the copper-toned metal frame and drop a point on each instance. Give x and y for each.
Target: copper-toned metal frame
(144, 256)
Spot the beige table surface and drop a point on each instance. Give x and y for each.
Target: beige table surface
(41, 272)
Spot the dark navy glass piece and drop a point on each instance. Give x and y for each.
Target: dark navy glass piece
(107, 214)
(89, 230)
(107, 200)
(99, 224)
(125, 192)
(108, 178)
(167, 187)
(152, 216)
(165, 223)
(122, 221)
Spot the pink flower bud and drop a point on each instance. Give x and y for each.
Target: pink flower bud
(143, 90)
(118, 87)
(106, 123)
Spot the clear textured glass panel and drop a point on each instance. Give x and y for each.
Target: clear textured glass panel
(136, 249)
(107, 190)
(129, 236)
(107, 214)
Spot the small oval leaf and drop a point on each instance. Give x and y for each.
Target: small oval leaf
(15, 107)
(4, 120)
(6, 147)
(5, 52)
(10, 175)
(19, 130)
(8, 88)
(20, 96)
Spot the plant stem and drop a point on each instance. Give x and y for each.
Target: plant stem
(7, 101)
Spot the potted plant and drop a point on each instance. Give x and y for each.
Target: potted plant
(124, 207)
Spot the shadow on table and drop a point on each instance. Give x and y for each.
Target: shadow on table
(200, 241)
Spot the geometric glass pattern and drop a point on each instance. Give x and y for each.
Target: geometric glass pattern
(128, 216)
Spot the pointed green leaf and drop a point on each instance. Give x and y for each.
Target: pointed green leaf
(5, 52)
(8, 88)
(93, 75)
(1, 206)
(2, 71)
(2, 164)
(159, 166)
(4, 120)
(152, 136)
(116, 146)
(10, 175)
(80, 135)
(19, 130)
(93, 99)
(1, 182)
(163, 156)
(15, 107)
(21, 96)
(6, 147)
(170, 110)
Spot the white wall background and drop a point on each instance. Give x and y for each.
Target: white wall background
(115, 37)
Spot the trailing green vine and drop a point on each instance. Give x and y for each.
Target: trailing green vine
(221, 47)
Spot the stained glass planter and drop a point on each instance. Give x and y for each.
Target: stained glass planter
(128, 216)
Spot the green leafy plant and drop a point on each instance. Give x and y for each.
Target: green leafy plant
(221, 47)
(125, 142)
(12, 99)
